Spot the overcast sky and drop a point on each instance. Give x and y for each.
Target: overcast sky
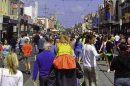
(68, 12)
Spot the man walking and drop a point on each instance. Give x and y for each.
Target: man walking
(43, 64)
(41, 43)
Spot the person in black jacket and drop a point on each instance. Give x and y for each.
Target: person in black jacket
(36, 41)
(121, 65)
(13, 43)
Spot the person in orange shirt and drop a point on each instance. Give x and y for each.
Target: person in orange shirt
(27, 49)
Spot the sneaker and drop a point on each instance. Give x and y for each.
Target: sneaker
(29, 72)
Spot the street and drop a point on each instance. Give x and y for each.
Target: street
(85, 30)
(104, 78)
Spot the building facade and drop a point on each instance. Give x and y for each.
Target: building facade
(125, 16)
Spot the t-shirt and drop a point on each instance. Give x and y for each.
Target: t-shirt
(27, 49)
(22, 41)
(8, 79)
(89, 55)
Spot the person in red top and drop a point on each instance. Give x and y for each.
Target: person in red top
(27, 49)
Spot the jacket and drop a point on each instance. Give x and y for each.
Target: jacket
(121, 65)
(43, 64)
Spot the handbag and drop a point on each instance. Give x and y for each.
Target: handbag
(52, 74)
(79, 72)
(52, 77)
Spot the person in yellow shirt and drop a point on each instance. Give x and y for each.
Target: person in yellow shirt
(65, 63)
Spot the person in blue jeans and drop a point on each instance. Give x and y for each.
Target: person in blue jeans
(121, 65)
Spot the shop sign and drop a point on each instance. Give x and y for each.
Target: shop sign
(14, 28)
(1, 19)
(1, 28)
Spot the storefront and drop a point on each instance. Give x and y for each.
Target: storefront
(5, 28)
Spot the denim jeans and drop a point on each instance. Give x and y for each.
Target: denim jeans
(122, 82)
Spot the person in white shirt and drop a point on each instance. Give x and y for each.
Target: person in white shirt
(89, 61)
(21, 42)
(10, 76)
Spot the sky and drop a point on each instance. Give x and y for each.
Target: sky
(68, 12)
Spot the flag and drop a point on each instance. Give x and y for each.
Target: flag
(108, 16)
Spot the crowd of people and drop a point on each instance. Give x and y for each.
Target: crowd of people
(62, 59)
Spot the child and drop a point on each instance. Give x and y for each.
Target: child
(27, 49)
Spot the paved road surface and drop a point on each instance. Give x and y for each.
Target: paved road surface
(104, 78)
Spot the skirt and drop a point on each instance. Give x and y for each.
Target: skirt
(64, 62)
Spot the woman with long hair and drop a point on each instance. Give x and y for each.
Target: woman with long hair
(65, 63)
(10, 75)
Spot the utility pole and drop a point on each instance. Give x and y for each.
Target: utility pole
(46, 20)
(45, 11)
(36, 10)
(45, 14)
(19, 18)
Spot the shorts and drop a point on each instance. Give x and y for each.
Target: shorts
(27, 59)
(109, 56)
(78, 54)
